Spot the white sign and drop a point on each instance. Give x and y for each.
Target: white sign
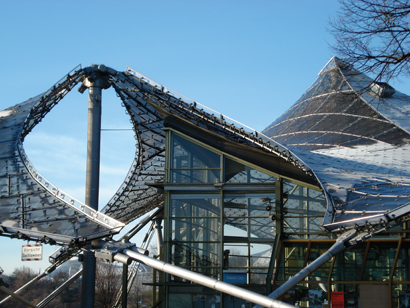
(32, 252)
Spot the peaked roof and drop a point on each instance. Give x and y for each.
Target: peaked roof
(354, 135)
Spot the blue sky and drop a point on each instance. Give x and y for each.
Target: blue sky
(249, 60)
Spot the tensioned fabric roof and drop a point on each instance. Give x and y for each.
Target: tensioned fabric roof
(32, 207)
(351, 142)
(354, 135)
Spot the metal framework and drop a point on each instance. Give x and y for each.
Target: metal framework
(346, 136)
(32, 207)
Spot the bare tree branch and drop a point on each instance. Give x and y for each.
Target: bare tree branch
(373, 35)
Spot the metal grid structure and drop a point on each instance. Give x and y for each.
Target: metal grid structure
(33, 208)
(347, 136)
(354, 134)
(351, 142)
(30, 206)
(148, 104)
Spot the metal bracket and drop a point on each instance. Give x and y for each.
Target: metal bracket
(113, 251)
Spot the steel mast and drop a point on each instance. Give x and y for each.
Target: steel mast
(95, 82)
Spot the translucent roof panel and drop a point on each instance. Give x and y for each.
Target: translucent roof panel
(341, 136)
(355, 141)
(53, 215)
(32, 208)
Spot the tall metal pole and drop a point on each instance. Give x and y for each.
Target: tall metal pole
(95, 83)
(124, 292)
(93, 145)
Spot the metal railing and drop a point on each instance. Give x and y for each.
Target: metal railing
(68, 200)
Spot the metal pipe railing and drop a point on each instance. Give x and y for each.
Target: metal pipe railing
(212, 283)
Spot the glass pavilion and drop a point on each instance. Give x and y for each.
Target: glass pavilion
(249, 218)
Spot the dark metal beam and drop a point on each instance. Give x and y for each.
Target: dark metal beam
(96, 82)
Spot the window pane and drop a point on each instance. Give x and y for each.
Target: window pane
(180, 300)
(402, 272)
(238, 173)
(235, 256)
(261, 255)
(248, 212)
(199, 257)
(348, 265)
(379, 261)
(259, 261)
(303, 212)
(195, 176)
(200, 205)
(205, 300)
(186, 154)
(400, 295)
(322, 273)
(196, 229)
(195, 233)
(258, 275)
(292, 260)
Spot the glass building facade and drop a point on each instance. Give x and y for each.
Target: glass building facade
(236, 222)
(222, 216)
(256, 225)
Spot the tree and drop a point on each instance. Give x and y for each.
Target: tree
(107, 284)
(374, 35)
(107, 287)
(34, 293)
